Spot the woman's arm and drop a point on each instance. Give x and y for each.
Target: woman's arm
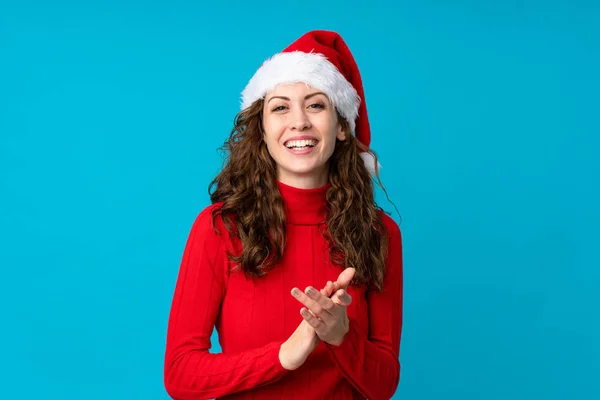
(371, 364)
(190, 371)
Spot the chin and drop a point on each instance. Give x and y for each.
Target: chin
(306, 169)
(302, 171)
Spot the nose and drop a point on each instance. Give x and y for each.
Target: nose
(300, 120)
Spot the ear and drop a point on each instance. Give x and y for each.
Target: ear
(340, 134)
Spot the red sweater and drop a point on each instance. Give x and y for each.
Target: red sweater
(255, 316)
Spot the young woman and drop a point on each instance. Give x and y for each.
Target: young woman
(293, 262)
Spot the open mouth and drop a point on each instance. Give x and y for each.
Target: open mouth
(301, 144)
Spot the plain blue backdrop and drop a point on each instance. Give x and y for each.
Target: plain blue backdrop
(485, 116)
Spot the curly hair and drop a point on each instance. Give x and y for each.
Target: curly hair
(253, 211)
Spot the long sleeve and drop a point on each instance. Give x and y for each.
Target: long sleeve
(371, 364)
(190, 371)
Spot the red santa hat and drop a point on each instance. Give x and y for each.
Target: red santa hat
(322, 60)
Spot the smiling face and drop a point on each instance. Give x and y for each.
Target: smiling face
(300, 130)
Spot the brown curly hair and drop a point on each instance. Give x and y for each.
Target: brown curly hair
(253, 211)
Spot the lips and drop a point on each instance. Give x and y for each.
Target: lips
(301, 151)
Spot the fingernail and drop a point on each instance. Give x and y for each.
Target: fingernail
(310, 291)
(295, 292)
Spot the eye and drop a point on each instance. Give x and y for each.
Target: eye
(317, 105)
(279, 108)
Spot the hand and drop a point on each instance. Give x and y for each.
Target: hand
(294, 351)
(328, 316)
(342, 282)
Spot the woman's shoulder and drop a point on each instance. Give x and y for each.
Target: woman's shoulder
(390, 224)
(208, 219)
(211, 207)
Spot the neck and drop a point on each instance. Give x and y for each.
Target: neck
(304, 181)
(304, 206)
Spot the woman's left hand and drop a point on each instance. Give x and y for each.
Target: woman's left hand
(328, 318)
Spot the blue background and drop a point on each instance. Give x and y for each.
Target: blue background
(485, 116)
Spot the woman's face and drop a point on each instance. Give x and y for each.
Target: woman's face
(300, 130)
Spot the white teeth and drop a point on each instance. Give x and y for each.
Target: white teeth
(300, 143)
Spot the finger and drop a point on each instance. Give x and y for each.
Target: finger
(342, 298)
(325, 292)
(310, 318)
(328, 289)
(324, 301)
(335, 287)
(311, 304)
(345, 278)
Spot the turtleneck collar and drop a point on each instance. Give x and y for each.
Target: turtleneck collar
(304, 206)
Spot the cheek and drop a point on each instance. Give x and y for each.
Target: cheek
(271, 139)
(270, 136)
(330, 136)
(271, 145)
(272, 130)
(330, 146)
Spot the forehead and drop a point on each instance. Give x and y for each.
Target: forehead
(292, 90)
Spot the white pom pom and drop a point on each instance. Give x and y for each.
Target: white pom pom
(369, 161)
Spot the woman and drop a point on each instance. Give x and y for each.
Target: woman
(292, 212)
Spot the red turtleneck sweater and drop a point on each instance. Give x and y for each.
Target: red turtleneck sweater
(255, 316)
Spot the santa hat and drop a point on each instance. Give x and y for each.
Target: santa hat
(322, 60)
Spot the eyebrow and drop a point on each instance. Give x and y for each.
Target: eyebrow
(308, 96)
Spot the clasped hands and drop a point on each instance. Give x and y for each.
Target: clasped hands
(324, 312)
(325, 319)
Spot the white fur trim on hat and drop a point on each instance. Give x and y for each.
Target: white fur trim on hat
(369, 161)
(311, 68)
